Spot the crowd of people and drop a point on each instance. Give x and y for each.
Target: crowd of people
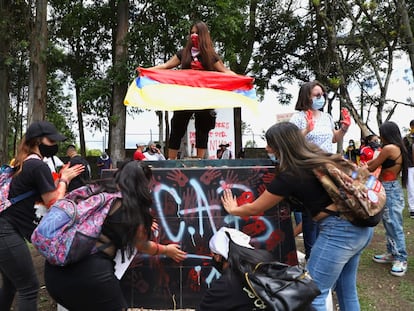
(333, 245)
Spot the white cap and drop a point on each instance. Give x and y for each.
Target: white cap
(219, 242)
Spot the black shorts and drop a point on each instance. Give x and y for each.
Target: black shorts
(205, 120)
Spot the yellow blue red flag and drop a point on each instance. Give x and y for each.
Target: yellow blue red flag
(189, 89)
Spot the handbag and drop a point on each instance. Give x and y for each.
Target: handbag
(282, 287)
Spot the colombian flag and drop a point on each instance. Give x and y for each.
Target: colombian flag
(189, 89)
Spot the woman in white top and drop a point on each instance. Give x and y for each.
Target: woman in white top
(318, 126)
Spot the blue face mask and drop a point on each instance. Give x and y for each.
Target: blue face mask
(318, 103)
(272, 157)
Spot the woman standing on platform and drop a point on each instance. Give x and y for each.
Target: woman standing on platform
(198, 54)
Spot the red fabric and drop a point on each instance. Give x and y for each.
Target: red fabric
(138, 155)
(199, 78)
(388, 176)
(367, 153)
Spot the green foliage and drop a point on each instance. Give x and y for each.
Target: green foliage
(341, 43)
(93, 152)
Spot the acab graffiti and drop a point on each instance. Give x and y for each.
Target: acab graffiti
(188, 210)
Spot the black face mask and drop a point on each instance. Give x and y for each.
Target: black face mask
(374, 145)
(48, 151)
(218, 265)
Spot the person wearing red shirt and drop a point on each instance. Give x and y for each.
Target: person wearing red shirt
(139, 153)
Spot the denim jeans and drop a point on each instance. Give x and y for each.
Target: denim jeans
(393, 220)
(333, 263)
(310, 232)
(17, 270)
(298, 217)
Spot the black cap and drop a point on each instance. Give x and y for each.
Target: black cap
(224, 145)
(44, 129)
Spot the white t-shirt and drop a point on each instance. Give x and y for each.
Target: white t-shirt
(322, 133)
(154, 156)
(53, 167)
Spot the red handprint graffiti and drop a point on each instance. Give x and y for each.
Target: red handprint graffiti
(178, 176)
(209, 176)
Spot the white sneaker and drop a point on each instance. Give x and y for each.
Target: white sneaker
(384, 258)
(399, 268)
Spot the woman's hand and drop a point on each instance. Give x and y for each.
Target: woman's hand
(229, 201)
(154, 226)
(68, 173)
(346, 119)
(174, 252)
(309, 120)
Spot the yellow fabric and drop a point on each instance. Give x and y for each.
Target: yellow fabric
(172, 97)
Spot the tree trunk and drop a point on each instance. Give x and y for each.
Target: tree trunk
(79, 110)
(38, 70)
(118, 118)
(4, 85)
(405, 21)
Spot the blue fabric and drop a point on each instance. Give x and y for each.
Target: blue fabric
(333, 263)
(392, 219)
(310, 232)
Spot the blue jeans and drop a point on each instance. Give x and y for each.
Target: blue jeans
(333, 263)
(393, 220)
(310, 232)
(17, 270)
(298, 217)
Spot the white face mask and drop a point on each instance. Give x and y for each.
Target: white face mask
(318, 103)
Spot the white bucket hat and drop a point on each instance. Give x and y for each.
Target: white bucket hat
(219, 242)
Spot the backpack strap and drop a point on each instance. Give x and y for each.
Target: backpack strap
(22, 196)
(331, 213)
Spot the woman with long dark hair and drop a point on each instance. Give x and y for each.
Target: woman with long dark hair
(393, 160)
(33, 177)
(333, 262)
(91, 284)
(198, 54)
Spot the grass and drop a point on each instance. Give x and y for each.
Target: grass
(377, 288)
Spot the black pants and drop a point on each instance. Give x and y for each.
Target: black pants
(205, 120)
(89, 284)
(17, 270)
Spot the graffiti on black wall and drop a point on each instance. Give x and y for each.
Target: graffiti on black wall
(188, 210)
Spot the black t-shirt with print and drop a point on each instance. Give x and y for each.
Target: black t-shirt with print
(35, 175)
(304, 187)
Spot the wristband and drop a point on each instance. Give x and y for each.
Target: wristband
(64, 181)
(158, 249)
